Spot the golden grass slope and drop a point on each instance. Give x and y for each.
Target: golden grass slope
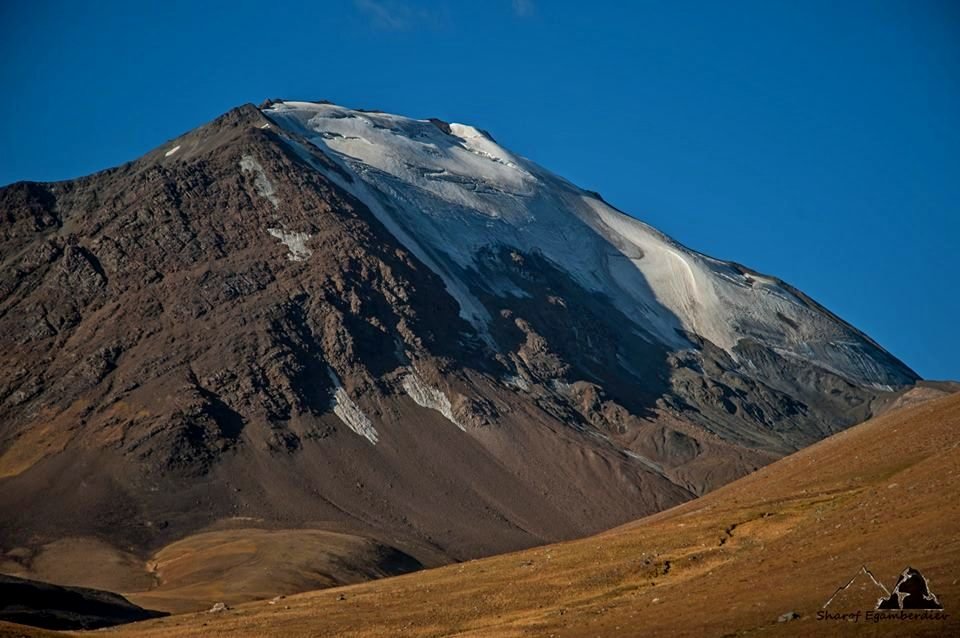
(231, 565)
(239, 565)
(13, 630)
(883, 494)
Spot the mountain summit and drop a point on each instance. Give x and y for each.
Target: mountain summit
(307, 316)
(451, 195)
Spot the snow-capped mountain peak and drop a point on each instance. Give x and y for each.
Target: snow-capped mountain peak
(449, 190)
(309, 313)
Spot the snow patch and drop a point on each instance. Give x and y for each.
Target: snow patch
(294, 241)
(562, 388)
(261, 182)
(382, 200)
(172, 151)
(428, 186)
(349, 412)
(429, 397)
(516, 381)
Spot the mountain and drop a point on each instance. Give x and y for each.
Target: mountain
(777, 543)
(309, 318)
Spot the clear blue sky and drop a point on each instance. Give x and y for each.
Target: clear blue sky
(818, 141)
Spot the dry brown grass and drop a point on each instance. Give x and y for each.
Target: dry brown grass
(882, 494)
(232, 565)
(85, 562)
(11, 630)
(239, 565)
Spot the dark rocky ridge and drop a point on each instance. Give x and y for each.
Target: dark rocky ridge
(28, 602)
(165, 367)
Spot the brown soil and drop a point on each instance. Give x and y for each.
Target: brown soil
(882, 494)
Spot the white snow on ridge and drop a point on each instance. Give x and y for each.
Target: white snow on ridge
(349, 412)
(294, 241)
(172, 151)
(429, 397)
(445, 196)
(261, 182)
(384, 209)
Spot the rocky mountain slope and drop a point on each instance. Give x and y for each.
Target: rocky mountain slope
(305, 316)
(778, 544)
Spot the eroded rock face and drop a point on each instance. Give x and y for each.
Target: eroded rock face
(220, 329)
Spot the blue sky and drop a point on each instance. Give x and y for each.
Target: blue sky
(816, 141)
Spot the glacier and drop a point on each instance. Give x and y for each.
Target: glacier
(429, 181)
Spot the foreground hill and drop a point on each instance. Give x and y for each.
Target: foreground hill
(393, 332)
(43, 605)
(782, 540)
